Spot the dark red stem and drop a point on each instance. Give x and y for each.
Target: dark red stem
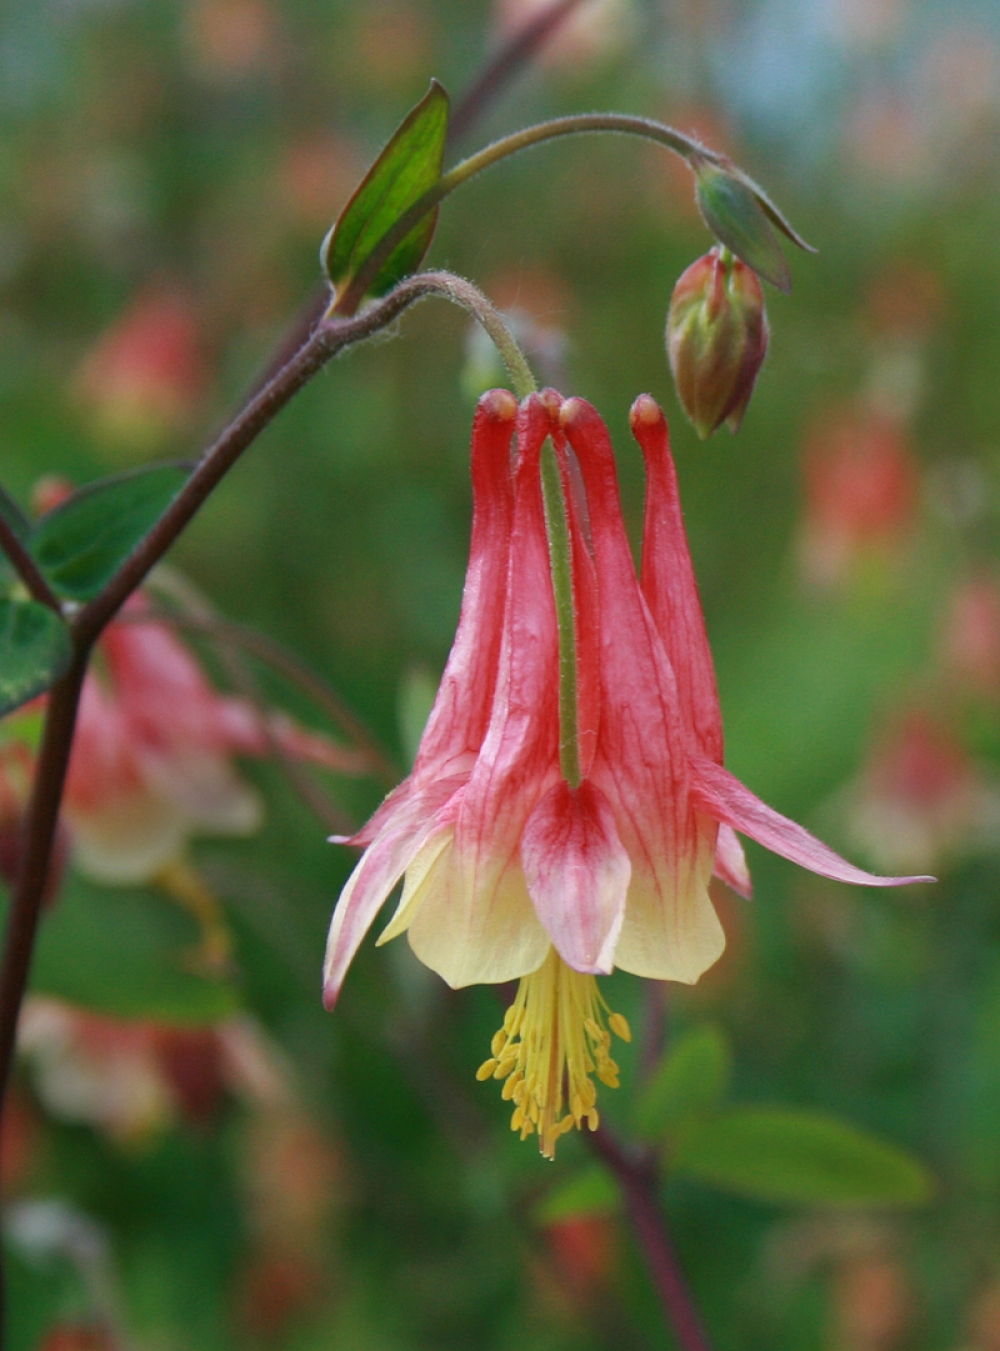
(638, 1176)
(26, 567)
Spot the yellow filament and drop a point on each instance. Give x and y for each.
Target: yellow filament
(554, 1038)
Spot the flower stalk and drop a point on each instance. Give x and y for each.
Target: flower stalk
(350, 300)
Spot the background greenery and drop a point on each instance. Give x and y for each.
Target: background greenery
(197, 152)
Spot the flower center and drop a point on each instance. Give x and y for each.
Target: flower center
(554, 1037)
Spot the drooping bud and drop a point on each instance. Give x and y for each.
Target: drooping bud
(716, 340)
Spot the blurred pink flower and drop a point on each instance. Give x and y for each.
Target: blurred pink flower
(131, 1078)
(145, 377)
(598, 29)
(231, 39)
(970, 642)
(861, 486)
(511, 870)
(920, 799)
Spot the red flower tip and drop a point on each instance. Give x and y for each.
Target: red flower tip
(645, 412)
(577, 413)
(499, 405)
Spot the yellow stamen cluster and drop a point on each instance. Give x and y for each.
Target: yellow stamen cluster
(554, 1037)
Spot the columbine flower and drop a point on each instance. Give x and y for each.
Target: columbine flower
(511, 870)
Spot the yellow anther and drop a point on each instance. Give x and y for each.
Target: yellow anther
(554, 1038)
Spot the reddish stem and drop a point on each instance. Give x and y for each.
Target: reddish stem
(638, 1176)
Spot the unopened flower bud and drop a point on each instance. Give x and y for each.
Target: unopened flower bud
(716, 340)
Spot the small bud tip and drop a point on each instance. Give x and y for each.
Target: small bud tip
(646, 412)
(571, 411)
(499, 404)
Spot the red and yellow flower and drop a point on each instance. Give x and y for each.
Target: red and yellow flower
(548, 838)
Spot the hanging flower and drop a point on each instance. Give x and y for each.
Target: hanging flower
(515, 868)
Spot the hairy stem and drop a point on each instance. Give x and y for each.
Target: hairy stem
(561, 569)
(637, 1176)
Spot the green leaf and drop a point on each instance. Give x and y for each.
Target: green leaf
(81, 543)
(688, 1085)
(127, 952)
(730, 209)
(34, 651)
(409, 165)
(772, 212)
(593, 1191)
(804, 1158)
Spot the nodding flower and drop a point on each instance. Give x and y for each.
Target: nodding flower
(512, 870)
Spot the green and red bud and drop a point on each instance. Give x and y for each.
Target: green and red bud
(716, 340)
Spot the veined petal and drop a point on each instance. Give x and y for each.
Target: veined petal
(473, 919)
(578, 873)
(369, 885)
(731, 864)
(670, 930)
(461, 712)
(668, 582)
(723, 796)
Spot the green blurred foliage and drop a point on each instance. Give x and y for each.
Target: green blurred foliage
(198, 151)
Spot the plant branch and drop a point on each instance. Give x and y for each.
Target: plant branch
(26, 567)
(330, 337)
(637, 1175)
(38, 838)
(355, 292)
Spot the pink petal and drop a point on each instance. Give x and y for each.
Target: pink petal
(578, 874)
(722, 795)
(519, 758)
(669, 930)
(380, 868)
(461, 712)
(668, 582)
(731, 864)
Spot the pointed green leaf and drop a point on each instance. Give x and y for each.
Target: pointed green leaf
(775, 216)
(730, 209)
(81, 543)
(690, 1081)
(592, 1191)
(34, 651)
(127, 952)
(409, 165)
(803, 1158)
